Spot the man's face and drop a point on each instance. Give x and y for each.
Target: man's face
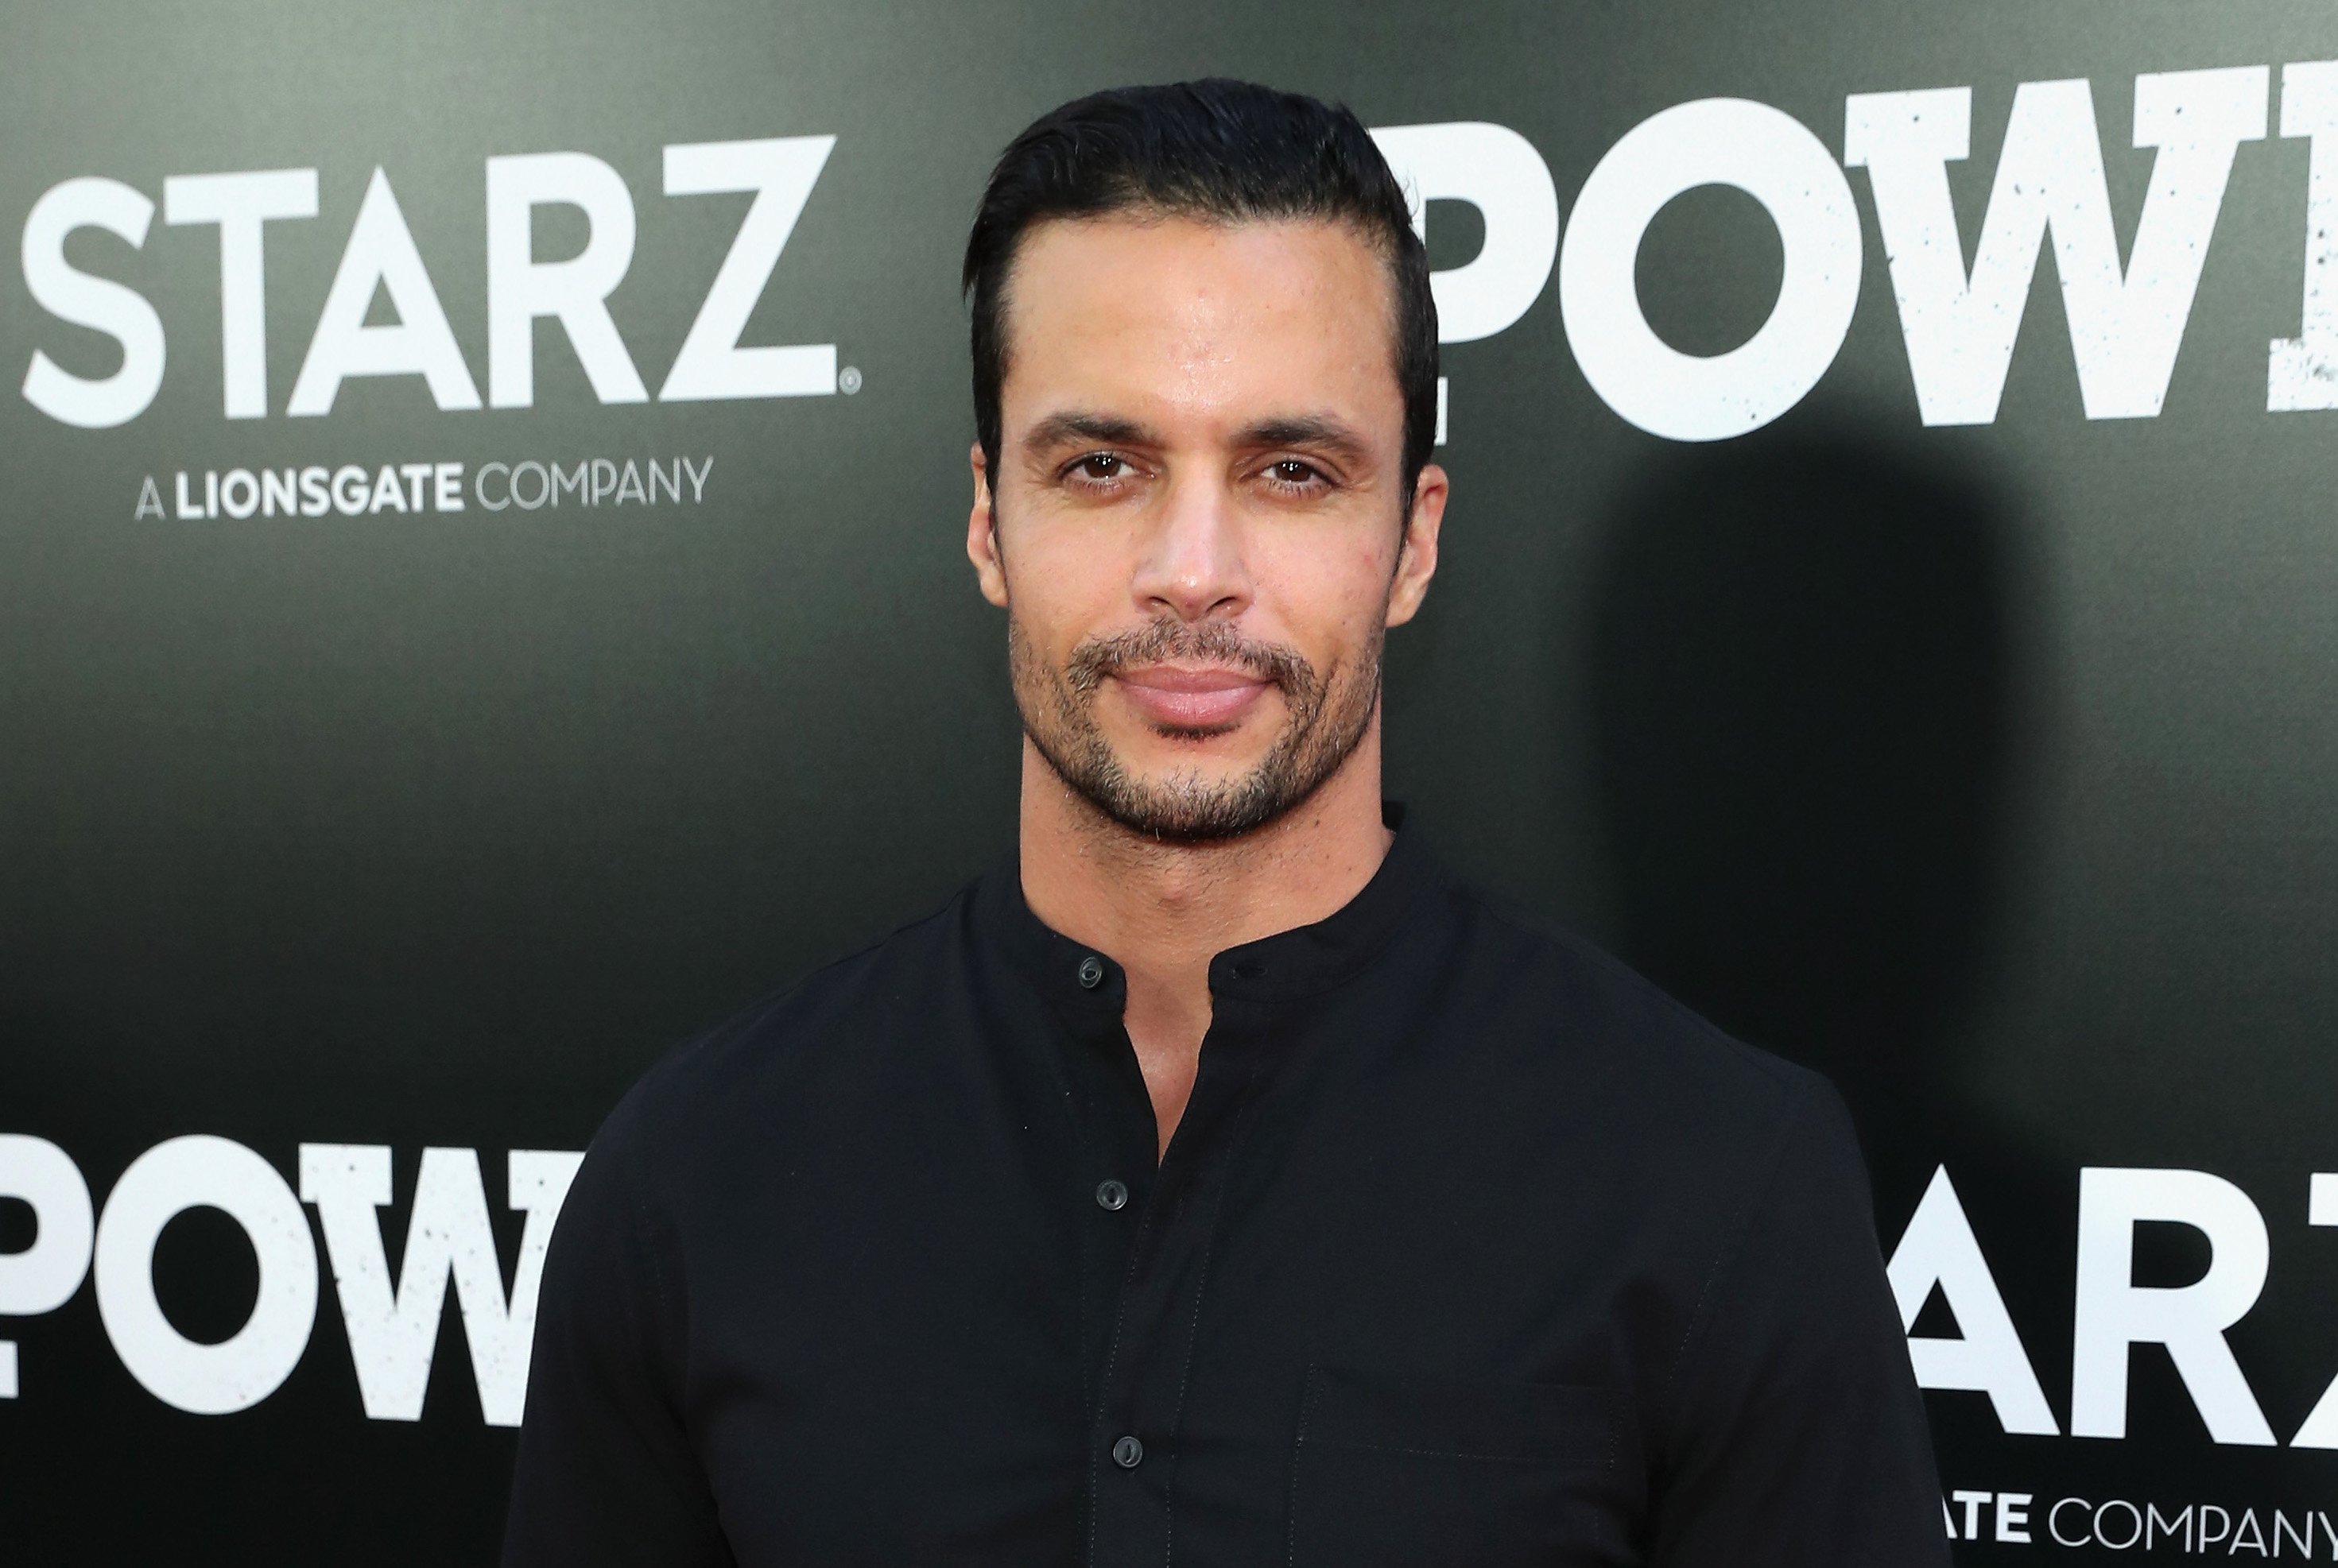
(1198, 524)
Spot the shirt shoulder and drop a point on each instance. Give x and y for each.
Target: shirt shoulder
(1677, 1080)
(1742, 1170)
(1586, 980)
(794, 1045)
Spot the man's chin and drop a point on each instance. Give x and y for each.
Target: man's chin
(1165, 797)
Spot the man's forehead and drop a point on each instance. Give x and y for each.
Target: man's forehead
(1142, 265)
(1203, 294)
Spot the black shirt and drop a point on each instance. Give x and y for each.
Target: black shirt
(1471, 1248)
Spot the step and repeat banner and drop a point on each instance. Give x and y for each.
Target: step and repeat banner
(481, 597)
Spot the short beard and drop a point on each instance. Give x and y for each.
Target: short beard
(1328, 716)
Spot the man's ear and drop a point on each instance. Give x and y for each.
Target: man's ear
(982, 534)
(1417, 559)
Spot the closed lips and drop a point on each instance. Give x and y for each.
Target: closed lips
(1191, 698)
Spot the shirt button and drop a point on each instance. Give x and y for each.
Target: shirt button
(1112, 1195)
(1091, 972)
(1128, 1453)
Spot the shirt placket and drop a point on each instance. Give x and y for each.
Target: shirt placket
(1154, 1306)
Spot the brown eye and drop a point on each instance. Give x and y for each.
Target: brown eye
(1291, 471)
(1102, 467)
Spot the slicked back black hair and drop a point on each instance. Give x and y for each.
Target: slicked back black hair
(1222, 150)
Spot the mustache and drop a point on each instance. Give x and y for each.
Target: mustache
(1176, 642)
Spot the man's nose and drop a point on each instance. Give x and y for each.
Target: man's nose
(1193, 565)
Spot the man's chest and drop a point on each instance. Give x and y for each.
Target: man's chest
(1220, 1370)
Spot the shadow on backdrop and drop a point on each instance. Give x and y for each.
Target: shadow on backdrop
(1803, 667)
(1810, 664)
(1804, 711)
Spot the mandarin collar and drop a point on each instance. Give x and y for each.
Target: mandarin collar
(1290, 963)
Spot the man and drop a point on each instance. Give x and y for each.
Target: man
(1222, 1183)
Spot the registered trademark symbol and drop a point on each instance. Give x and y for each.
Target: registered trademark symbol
(848, 380)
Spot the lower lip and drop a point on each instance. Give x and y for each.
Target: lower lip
(1177, 707)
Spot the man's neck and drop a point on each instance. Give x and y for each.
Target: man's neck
(1164, 910)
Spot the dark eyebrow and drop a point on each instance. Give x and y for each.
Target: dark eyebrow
(1317, 430)
(1057, 429)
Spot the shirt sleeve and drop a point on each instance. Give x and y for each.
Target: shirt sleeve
(1798, 1436)
(607, 1472)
